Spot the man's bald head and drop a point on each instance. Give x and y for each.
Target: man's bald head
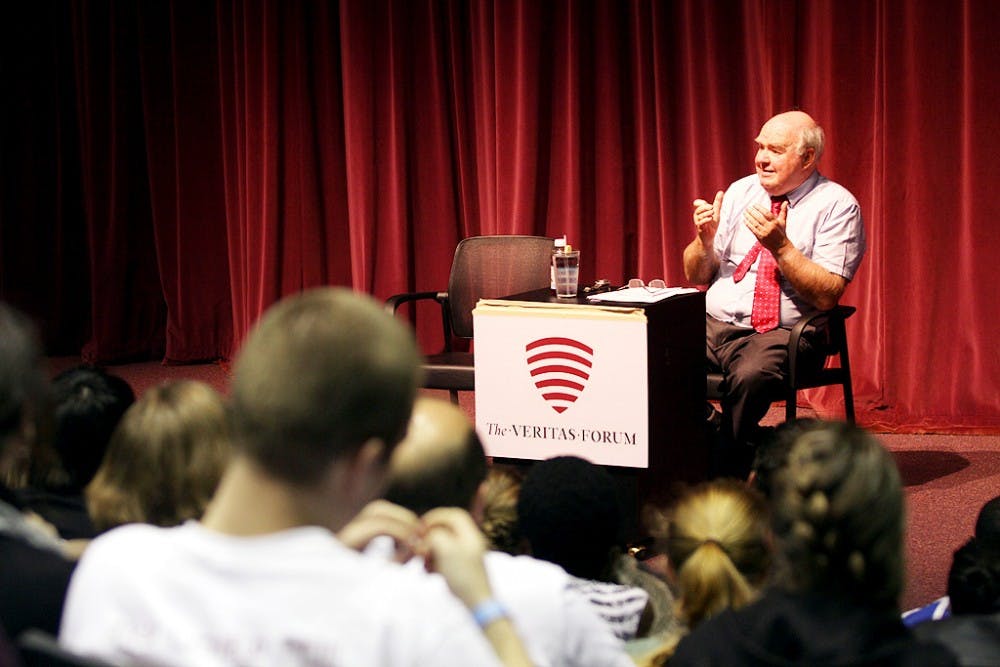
(440, 462)
(794, 118)
(801, 125)
(789, 146)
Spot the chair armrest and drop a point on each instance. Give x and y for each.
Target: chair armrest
(393, 303)
(836, 317)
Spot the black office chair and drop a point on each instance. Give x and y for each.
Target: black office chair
(485, 267)
(802, 378)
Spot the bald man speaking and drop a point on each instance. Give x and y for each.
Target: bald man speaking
(777, 245)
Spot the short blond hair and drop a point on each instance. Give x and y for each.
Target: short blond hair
(322, 373)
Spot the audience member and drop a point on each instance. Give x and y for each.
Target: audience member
(322, 392)
(972, 632)
(974, 579)
(164, 460)
(717, 539)
(441, 463)
(88, 403)
(570, 514)
(499, 509)
(34, 574)
(838, 522)
(771, 454)
(987, 534)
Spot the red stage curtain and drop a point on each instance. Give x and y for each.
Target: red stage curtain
(184, 165)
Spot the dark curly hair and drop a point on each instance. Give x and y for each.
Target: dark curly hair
(974, 579)
(571, 515)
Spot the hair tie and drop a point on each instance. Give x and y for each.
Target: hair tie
(712, 540)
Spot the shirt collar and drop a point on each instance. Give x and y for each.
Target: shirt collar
(798, 193)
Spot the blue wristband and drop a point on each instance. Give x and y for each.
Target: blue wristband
(488, 611)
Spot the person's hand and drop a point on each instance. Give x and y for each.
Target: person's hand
(766, 226)
(454, 548)
(706, 218)
(380, 517)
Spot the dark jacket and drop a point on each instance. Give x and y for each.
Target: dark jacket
(973, 638)
(33, 574)
(791, 629)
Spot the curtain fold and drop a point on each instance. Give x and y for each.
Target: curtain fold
(185, 165)
(180, 118)
(127, 307)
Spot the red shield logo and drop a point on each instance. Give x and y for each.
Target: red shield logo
(560, 368)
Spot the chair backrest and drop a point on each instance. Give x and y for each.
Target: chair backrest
(827, 375)
(487, 267)
(834, 321)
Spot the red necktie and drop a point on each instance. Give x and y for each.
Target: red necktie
(766, 313)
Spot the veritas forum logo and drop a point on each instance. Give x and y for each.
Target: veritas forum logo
(560, 368)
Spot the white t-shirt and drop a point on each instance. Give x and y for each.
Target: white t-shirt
(188, 596)
(557, 624)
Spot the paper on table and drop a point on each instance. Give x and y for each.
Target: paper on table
(639, 294)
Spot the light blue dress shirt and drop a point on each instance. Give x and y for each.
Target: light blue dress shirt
(824, 223)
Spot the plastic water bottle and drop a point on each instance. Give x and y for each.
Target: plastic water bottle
(558, 246)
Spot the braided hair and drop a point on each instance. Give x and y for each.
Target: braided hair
(839, 518)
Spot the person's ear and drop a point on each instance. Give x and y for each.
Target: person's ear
(809, 158)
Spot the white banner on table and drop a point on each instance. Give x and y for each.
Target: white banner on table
(554, 379)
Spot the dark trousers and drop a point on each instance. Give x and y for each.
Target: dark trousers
(755, 366)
